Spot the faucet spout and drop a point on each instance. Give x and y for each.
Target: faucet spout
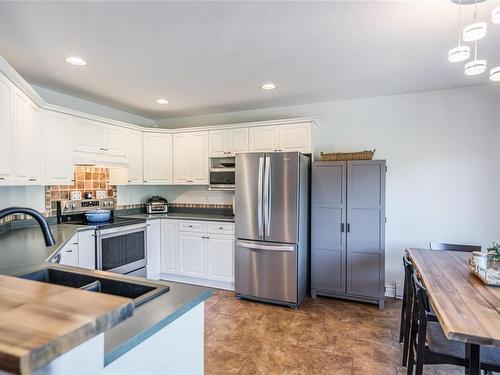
(42, 222)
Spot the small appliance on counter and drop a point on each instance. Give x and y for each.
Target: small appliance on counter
(156, 205)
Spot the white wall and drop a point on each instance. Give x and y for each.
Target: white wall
(179, 194)
(443, 155)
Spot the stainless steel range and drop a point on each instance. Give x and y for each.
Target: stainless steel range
(120, 241)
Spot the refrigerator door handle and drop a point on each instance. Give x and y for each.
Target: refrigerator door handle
(267, 196)
(259, 197)
(254, 246)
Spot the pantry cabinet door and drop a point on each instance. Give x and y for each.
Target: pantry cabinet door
(169, 231)
(134, 156)
(182, 158)
(199, 152)
(221, 258)
(27, 125)
(264, 139)
(192, 254)
(236, 141)
(157, 150)
(58, 150)
(217, 143)
(6, 133)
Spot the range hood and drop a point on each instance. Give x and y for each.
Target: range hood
(98, 159)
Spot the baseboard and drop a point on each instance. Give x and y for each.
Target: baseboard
(197, 281)
(390, 290)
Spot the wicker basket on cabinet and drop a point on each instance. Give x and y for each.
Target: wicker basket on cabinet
(342, 156)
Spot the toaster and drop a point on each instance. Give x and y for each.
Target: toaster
(156, 205)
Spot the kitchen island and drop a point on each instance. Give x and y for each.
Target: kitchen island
(163, 335)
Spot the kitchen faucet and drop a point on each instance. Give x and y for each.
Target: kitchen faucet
(42, 222)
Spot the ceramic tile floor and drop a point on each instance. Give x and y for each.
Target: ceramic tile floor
(324, 336)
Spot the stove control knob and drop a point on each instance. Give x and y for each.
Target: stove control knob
(68, 205)
(73, 205)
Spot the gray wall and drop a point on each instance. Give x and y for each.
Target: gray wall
(442, 151)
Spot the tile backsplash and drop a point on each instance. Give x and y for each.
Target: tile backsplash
(87, 179)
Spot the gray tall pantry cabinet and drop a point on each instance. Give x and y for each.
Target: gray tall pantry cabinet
(348, 230)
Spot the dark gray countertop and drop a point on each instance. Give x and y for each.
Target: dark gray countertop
(184, 216)
(151, 317)
(25, 246)
(23, 249)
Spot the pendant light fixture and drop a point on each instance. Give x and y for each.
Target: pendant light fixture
(495, 74)
(459, 53)
(495, 15)
(475, 31)
(475, 67)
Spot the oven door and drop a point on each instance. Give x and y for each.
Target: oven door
(122, 249)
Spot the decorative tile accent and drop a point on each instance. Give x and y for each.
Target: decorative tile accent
(199, 205)
(87, 179)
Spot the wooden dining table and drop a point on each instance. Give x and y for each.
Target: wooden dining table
(467, 309)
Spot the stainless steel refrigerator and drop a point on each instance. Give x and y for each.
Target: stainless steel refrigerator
(272, 226)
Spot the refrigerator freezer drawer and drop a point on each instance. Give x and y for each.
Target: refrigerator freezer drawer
(266, 271)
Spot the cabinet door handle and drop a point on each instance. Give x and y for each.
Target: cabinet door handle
(31, 179)
(348, 227)
(342, 228)
(69, 251)
(2, 178)
(221, 228)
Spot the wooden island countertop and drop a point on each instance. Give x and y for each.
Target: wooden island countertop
(41, 321)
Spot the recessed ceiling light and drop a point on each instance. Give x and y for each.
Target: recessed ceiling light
(268, 86)
(74, 60)
(161, 101)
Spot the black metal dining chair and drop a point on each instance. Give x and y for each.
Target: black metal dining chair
(406, 309)
(429, 345)
(453, 247)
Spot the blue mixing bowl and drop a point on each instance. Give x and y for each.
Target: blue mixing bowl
(97, 216)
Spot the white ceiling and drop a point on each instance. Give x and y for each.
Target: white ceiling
(207, 57)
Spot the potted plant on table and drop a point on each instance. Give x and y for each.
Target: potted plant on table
(494, 255)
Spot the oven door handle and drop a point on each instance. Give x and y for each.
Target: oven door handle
(118, 231)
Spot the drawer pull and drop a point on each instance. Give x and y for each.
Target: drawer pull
(69, 251)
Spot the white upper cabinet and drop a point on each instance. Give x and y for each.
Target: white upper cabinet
(113, 139)
(58, 150)
(6, 133)
(134, 156)
(98, 137)
(296, 137)
(157, 151)
(86, 135)
(264, 139)
(228, 142)
(190, 158)
(291, 137)
(28, 141)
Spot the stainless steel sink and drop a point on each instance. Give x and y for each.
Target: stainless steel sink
(139, 290)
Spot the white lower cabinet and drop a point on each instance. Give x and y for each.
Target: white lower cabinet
(192, 254)
(79, 251)
(169, 253)
(221, 258)
(153, 251)
(198, 252)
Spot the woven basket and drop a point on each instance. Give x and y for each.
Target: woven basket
(341, 156)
